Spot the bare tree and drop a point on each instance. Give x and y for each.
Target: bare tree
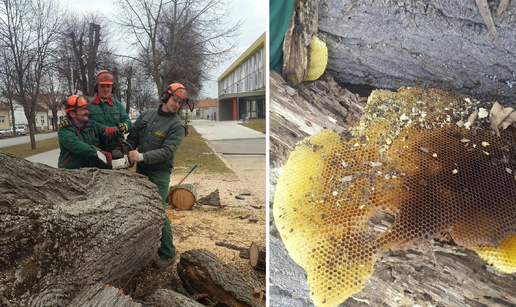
(179, 41)
(52, 94)
(84, 48)
(28, 31)
(7, 86)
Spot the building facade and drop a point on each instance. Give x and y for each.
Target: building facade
(5, 118)
(241, 88)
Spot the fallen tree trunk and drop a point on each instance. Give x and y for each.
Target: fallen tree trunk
(435, 43)
(202, 272)
(62, 230)
(257, 256)
(169, 298)
(99, 295)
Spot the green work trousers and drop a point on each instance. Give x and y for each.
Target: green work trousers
(167, 249)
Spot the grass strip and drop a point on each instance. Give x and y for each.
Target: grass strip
(256, 124)
(24, 150)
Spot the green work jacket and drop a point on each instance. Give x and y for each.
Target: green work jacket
(79, 145)
(157, 135)
(108, 113)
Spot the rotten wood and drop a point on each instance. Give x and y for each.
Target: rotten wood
(202, 272)
(296, 45)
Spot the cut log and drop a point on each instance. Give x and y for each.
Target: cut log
(182, 197)
(213, 199)
(99, 295)
(63, 230)
(257, 254)
(169, 298)
(202, 272)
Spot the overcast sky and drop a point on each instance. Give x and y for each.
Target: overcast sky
(252, 12)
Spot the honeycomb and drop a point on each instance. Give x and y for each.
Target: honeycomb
(418, 155)
(317, 61)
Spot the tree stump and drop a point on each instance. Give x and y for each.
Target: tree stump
(257, 256)
(169, 298)
(63, 230)
(202, 272)
(213, 199)
(182, 197)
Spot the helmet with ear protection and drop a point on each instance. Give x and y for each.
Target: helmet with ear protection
(104, 77)
(74, 102)
(176, 90)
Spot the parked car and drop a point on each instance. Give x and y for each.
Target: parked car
(20, 130)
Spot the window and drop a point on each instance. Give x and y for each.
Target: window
(2, 119)
(42, 120)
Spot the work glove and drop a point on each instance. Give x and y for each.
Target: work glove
(108, 155)
(110, 131)
(122, 129)
(64, 122)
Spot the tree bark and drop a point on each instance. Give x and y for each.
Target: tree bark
(99, 295)
(213, 199)
(169, 298)
(436, 43)
(183, 196)
(202, 272)
(62, 230)
(257, 257)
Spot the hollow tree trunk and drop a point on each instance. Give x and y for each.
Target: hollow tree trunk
(436, 43)
(63, 230)
(202, 272)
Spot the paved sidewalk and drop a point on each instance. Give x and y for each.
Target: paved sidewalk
(49, 158)
(224, 130)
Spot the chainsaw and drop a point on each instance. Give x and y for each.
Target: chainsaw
(119, 150)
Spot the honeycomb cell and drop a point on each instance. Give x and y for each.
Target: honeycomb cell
(401, 165)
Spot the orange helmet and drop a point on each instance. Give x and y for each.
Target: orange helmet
(74, 102)
(103, 77)
(177, 90)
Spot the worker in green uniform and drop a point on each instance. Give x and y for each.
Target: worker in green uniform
(103, 108)
(79, 142)
(156, 135)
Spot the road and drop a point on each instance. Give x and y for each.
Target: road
(6, 142)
